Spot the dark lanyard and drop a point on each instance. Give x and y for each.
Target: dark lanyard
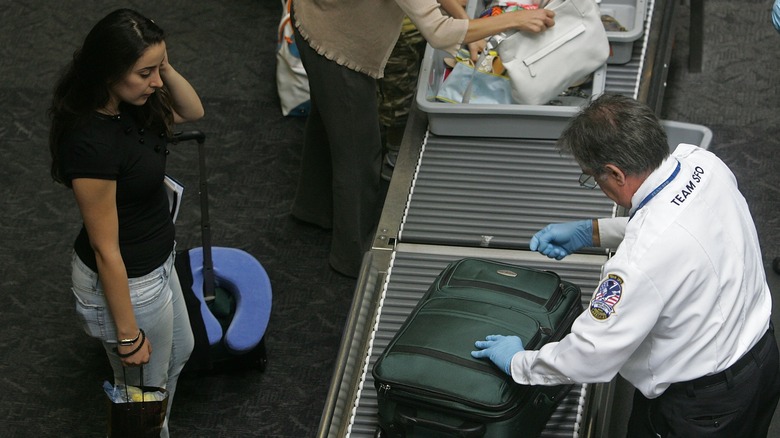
(657, 189)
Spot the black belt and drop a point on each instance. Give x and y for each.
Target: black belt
(727, 374)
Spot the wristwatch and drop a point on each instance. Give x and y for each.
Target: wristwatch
(130, 341)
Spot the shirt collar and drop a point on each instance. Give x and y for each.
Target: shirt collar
(656, 178)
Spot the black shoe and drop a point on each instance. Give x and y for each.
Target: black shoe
(388, 165)
(297, 220)
(349, 273)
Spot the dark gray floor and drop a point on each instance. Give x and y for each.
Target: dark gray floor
(50, 373)
(737, 96)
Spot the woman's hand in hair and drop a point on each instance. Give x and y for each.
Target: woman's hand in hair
(185, 101)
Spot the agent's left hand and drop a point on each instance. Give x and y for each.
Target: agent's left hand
(500, 350)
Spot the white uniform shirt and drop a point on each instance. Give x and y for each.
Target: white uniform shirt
(684, 296)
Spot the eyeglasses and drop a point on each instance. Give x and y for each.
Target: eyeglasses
(588, 181)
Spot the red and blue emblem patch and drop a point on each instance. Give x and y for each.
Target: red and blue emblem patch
(602, 306)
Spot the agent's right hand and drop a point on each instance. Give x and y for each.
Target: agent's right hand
(533, 20)
(559, 240)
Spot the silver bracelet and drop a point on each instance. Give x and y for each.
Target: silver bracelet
(128, 342)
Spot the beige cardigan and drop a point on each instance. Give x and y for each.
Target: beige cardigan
(361, 34)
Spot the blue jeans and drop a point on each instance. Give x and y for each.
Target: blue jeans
(160, 311)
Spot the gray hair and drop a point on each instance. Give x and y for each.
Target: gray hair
(615, 129)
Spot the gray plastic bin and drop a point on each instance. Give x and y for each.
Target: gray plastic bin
(630, 14)
(680, 132)
(485, 120)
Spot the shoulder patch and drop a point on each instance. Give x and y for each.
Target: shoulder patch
(602, 306)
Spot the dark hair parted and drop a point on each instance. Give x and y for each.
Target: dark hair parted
(615, 129)
(107, 55)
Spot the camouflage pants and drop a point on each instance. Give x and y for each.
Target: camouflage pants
(397, 88)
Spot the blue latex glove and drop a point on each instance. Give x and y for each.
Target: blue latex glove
(499, 349)
(556, 241)
(776, 15)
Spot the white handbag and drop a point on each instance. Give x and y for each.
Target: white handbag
(543, 65)
(292, 83)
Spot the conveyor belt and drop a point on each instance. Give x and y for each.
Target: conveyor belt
(625, 78)
(490, 192)
(497, 194)
(412, 270)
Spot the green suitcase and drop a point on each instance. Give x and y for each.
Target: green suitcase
(427, 383)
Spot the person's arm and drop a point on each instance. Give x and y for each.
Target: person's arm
(609, 232)
(456, 9)
(96, 199)
(444, 32)
(559, 240)
(185, 101)
(533, 21)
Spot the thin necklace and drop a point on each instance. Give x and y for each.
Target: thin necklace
(107, 112)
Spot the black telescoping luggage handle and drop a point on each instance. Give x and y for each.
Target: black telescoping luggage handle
(205, 225)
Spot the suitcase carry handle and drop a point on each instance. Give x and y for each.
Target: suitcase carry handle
(465, 430)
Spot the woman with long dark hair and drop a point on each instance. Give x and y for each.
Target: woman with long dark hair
(111, 115)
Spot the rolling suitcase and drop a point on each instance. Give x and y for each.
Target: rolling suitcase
(227, 291)
(427, 383)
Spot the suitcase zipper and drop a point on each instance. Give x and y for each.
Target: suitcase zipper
(556, 298)
(531, 343)
(563, 328)
(448, 357)
(548, 304)
(497, 288)
(396, 391)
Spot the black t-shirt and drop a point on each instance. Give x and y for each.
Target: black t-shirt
(119, 148)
